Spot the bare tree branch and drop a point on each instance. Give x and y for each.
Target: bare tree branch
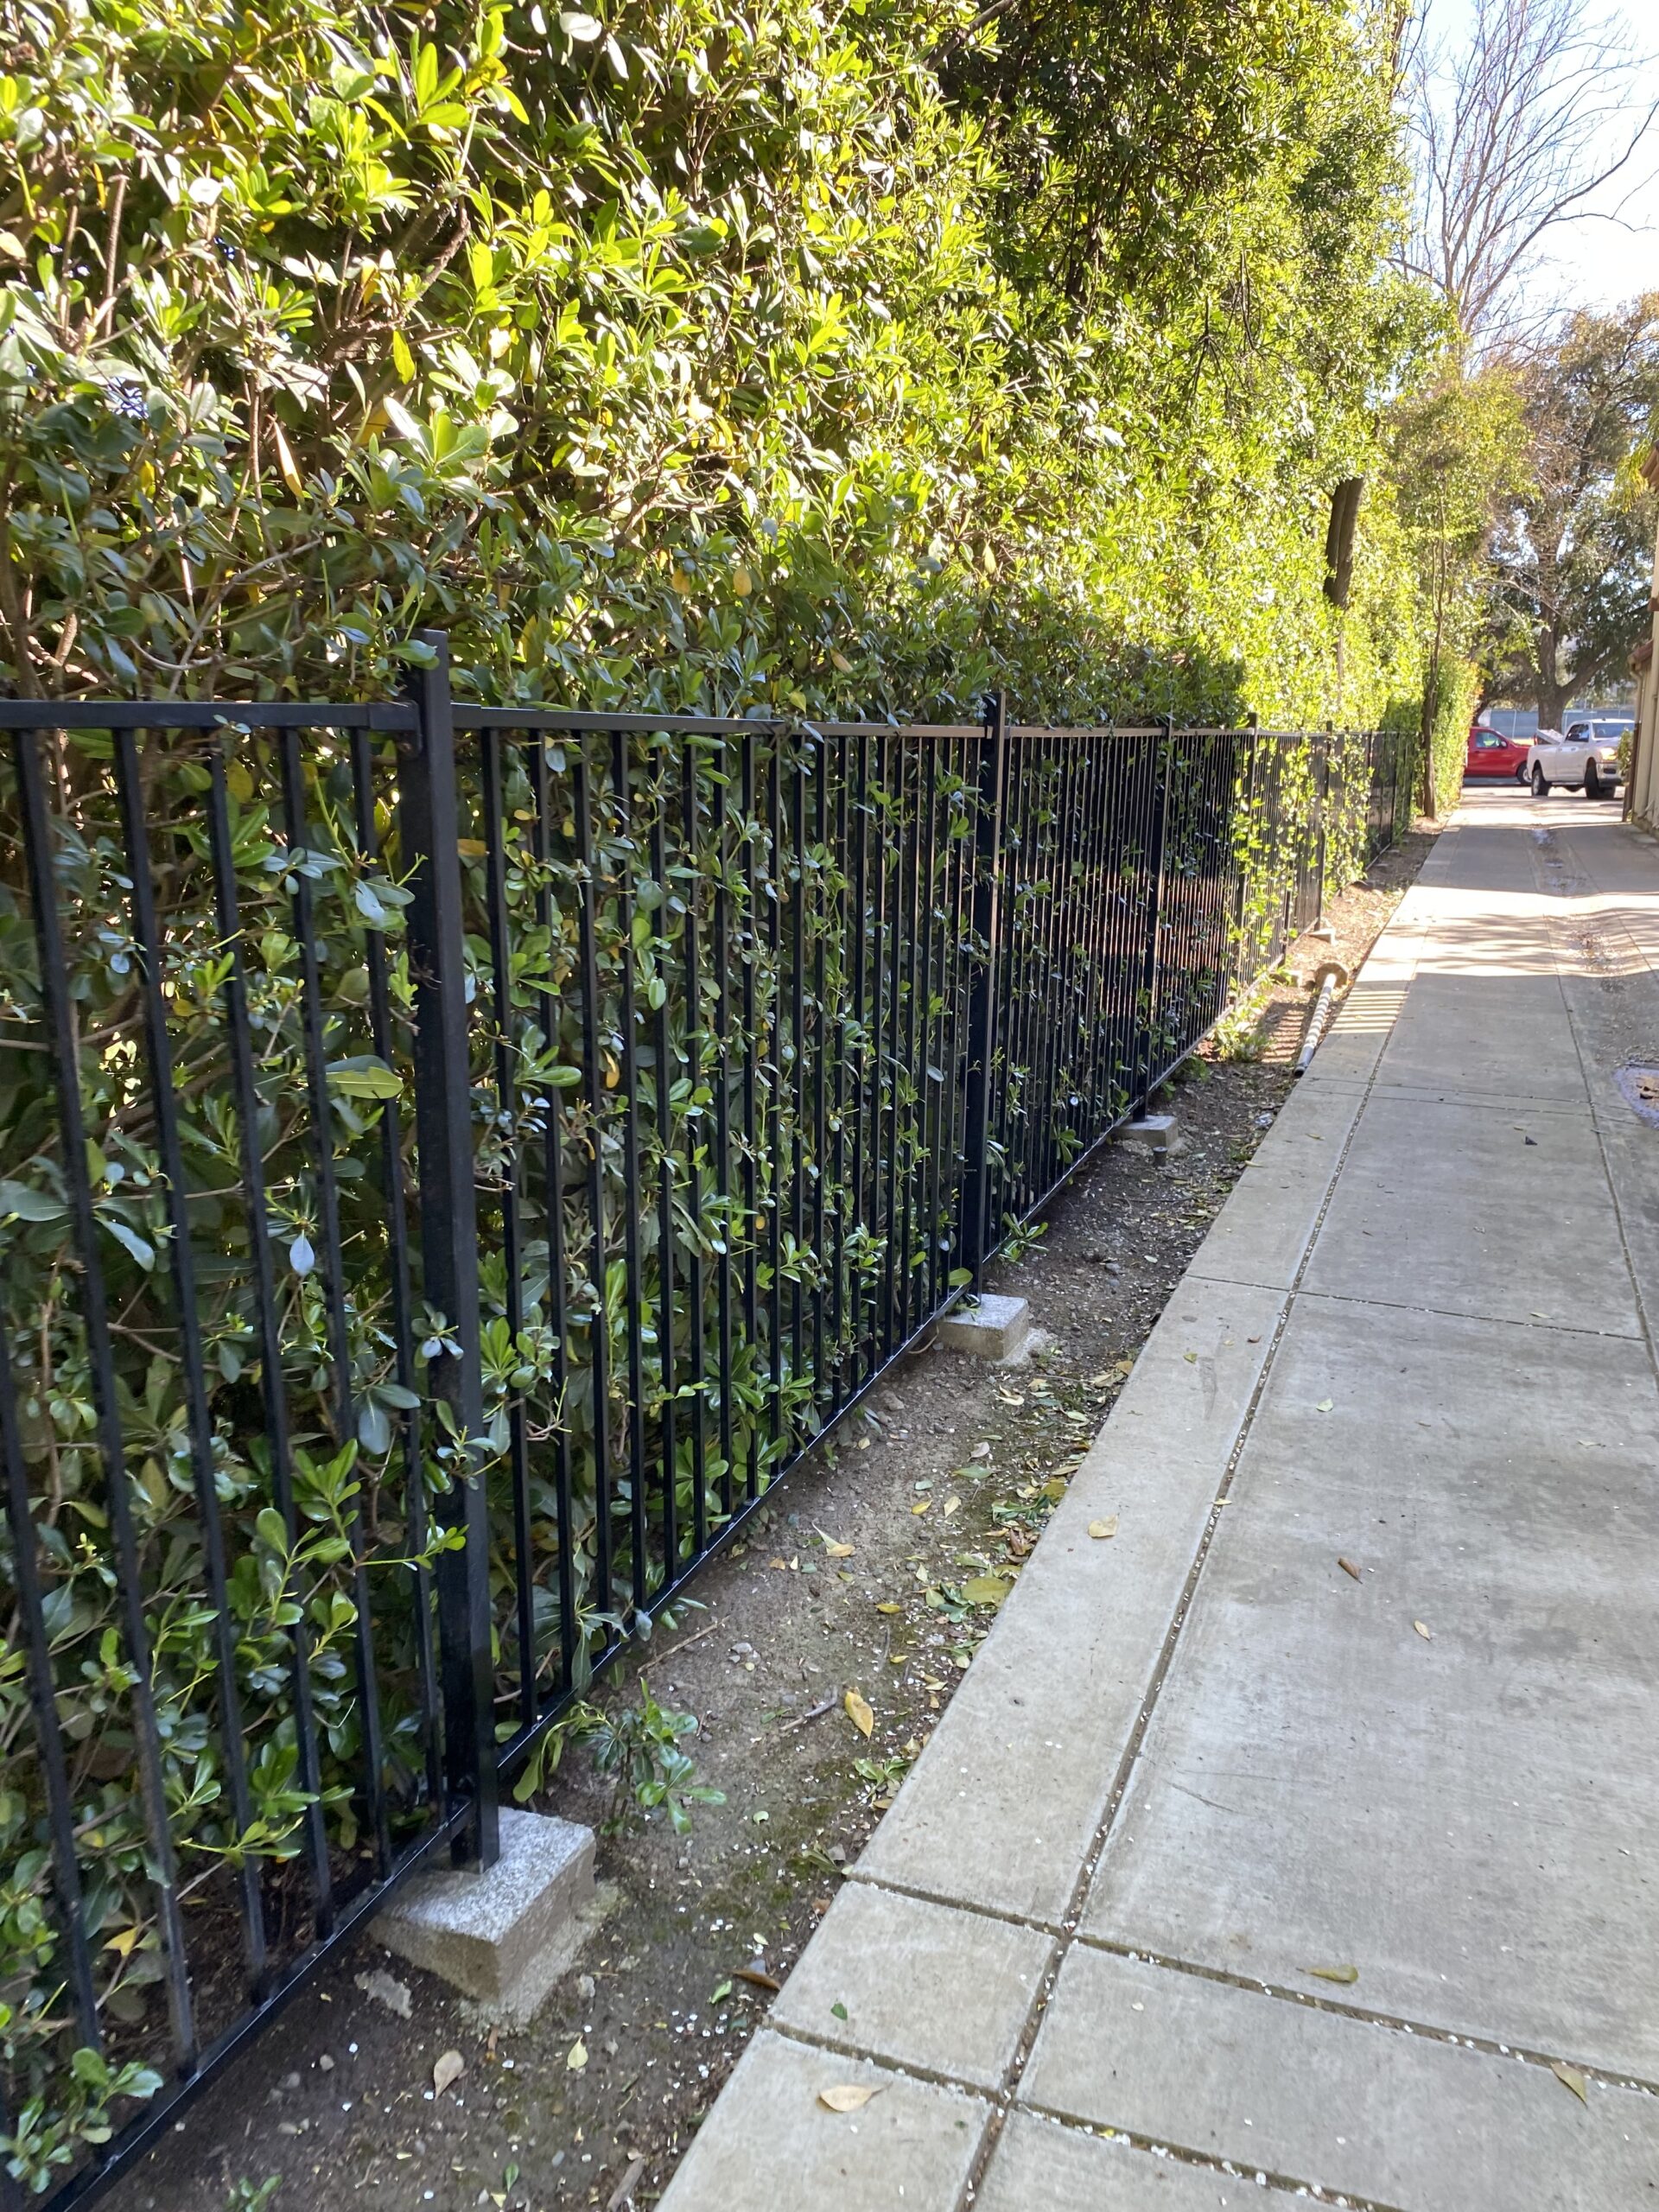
(1517, 133)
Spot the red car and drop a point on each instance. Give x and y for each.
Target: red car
(1491, 754)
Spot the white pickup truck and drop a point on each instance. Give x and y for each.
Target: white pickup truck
(1584, 757)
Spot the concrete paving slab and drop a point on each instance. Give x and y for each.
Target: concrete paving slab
(1000, 1809)
(1040, 2166)
(1354, 1043)
(1263, 1233)
(1516, 1103)
(1502, 1031)
(1462, 1403)
(1446, 1207)
(923, 1984)
(772, 2144)
(1312, 2097)
(1467, 1819)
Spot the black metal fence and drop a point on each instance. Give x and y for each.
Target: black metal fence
(455, 1160)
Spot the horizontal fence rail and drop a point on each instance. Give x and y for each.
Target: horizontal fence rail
(457, 1160)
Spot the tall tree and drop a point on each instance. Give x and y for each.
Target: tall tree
(1459, 456)
(1535, 123)
(1571, 553)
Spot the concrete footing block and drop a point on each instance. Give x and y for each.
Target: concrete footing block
(997, 1328)
(1156, 1137)
(502, 1938)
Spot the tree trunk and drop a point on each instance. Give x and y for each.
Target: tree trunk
(1552, 693)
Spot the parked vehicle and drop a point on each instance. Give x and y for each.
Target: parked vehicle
(1584, 758)
(1491, 754)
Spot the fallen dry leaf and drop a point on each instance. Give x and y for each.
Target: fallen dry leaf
(835, 1550)
(1348, 1568)
(888, 1607)
(1344, 1974)
(576, 2058)
(846, 2096)
(921, 1505)
(859, 1712)
(1103, 1529)
(1324, 1405)
(1425, 1633)
(985, 1590)
(1570, 2078)
(449, 2067)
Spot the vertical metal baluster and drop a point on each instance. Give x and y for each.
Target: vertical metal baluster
(163, 1866)
(1019, 972)
(599, 1333)
(722, 928)
(915, 1074)
(821, 1047)
(1060, 1086)
(495, 892)
(751, 1138)
(800, 1163)
(858, 1200)
(334, 1295)
(833, 1025)
(1090, 969)
(43, 1702)
(903, 935)
(547, 914)
(667, 1349)
(274, 1386)
(954, 1054)
(1108, 816)
(1154, 924)
(781, 1144)
(632, 1199)
(417, 1511)
(199, 1418)
(696, 1124)
(982, 999)
(429, 832)
(1115, 850)
(885, 994)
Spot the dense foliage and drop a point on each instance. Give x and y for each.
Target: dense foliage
(695, 353)
(684, 355)
(1573, 552)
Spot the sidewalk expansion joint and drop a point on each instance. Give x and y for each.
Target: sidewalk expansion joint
(1085, 1883)
(1461, 1313)
(1576, 1031)
(1396, 2023)
(924, 1895)
(1002, 2102)
(1252, 2176)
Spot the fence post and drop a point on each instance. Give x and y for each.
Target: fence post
(1241, 910)
(430, 823)
(1150, 967)
(982, 998)
(1324, 803)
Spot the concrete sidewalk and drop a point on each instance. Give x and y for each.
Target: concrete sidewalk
(1229, 1876)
